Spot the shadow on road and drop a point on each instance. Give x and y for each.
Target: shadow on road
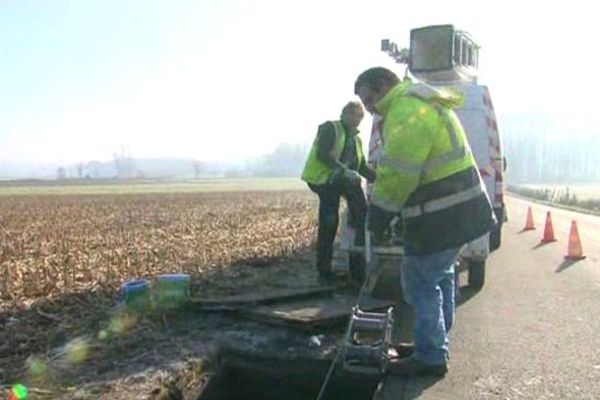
(525, 230)
(540, 244)
(565, 264)
(403, 388)
(466, 293)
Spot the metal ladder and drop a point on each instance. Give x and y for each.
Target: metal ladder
(368, 335)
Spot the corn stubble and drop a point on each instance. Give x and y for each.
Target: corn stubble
(52, 245)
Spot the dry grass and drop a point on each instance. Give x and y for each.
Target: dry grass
(53, 245)
(63, 259)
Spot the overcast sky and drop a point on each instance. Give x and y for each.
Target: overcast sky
(229, 79)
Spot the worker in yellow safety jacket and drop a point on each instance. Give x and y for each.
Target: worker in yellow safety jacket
(427, 174)
(333, 170)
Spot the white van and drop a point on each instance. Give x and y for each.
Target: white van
(479, 122)
(441, 56)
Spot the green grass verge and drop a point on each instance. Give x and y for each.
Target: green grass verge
(579, 198)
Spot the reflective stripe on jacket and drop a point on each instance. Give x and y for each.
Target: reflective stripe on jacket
(316, 171)
(427, 171)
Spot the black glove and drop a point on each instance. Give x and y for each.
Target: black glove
(370, 174)
(351, 176)
(378, 219)
(344, 176)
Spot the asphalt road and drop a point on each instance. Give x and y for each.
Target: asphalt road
(533, 331)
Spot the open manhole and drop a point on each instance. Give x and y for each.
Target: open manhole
(252, 377)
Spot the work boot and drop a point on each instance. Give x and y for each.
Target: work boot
(410, 367)
(324, 268)
(402, 350)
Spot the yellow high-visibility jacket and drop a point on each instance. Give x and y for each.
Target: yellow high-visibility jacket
(427, 172)
(317, 172)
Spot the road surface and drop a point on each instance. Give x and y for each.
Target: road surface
(533, 331)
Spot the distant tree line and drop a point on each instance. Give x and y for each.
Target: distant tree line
(125, 163)
(286, 160)
(538, 150)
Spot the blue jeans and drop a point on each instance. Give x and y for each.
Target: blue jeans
(428, 285)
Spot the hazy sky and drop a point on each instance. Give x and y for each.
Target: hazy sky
(229, 79)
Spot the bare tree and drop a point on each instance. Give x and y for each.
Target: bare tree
(198, 168)
(124, 163)
(61, 173)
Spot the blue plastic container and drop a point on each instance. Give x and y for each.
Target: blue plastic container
(172, 290)
(136, 294)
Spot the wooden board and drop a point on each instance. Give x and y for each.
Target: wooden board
(310, 313)
(243, 301)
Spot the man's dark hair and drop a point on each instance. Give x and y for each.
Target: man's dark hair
(376, 78)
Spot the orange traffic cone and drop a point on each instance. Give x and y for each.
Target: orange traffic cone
(548, 230)
(529, 226)
(574, 251)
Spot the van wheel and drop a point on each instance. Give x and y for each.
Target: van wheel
(476, 274)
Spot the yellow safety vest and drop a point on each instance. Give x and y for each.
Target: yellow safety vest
(316, 171)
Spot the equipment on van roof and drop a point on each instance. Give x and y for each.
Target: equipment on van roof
(438, 54)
